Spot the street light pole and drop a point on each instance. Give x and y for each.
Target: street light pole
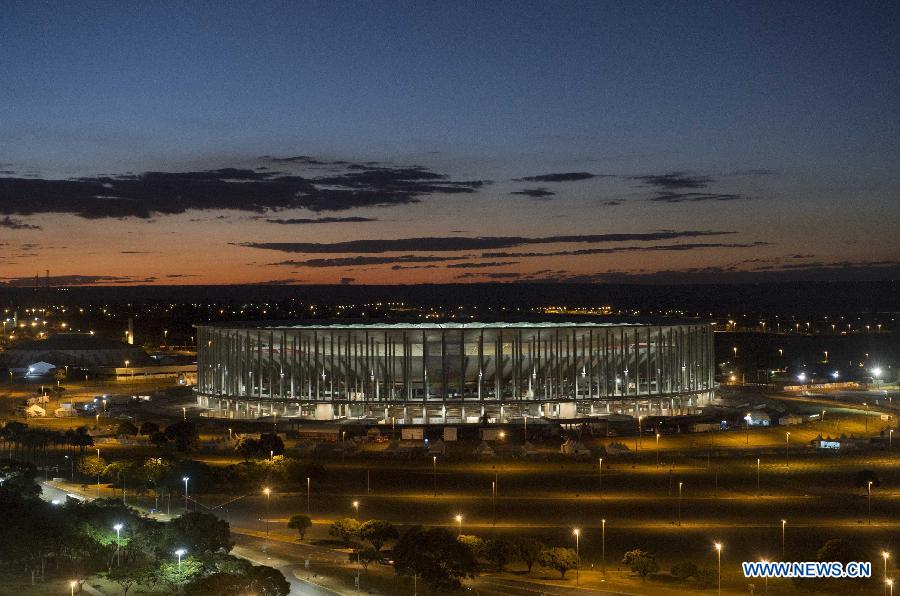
(600, 466)
(870, 502)
(308, 486)
(434, 474)
(787, 447)
(186, 478)
(118, 529)
(680, 486)
(577, 533)
(603, 543)
(657, 449)
(98, 473)
(757, 475)
(180, 552)
(267, 492)
(459, 524)
(719, 558)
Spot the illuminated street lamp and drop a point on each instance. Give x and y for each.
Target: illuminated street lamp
(603, 542)
(657, 449)
(890, 585)
(787, 448)
(185, 479)
(180, 552)
(434, 474)
(757, 475)
(577, 533)
(118, 529)
(885, 555)
(869, 491)
(356, 508)
(600, 468)
(718, 546)
(72, 585)
(680, 487)
(458, 519)
(267, 492)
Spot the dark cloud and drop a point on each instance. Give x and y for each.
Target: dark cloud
(674, 180)
(622, 249)
(346, 281)
(363, 261)
(319, 220)
(481, 265)
(161, 193)
(74, 280)
(451, 243)
(534, 193)
(135, 252)
(402, 267)
(694, 197)
(16, 224)
(562, 177)
(493, 276)
(613, 203)
(180, 275)
(821, 272)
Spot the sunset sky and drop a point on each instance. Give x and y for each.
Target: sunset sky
(383, 142)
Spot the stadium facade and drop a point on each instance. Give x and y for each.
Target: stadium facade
(455, 372)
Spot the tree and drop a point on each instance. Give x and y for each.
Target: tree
(473, 543)
(641, 562)
(499, 552)
(271, 443)
(92, 466)
(173, 575)
(863, 477)
(159, 438)
(436, 556)
(301, 523)
(260, 580)
(148, 428)
(559, 559)
(837, 549)
(184, 434)
(528, 551)
(127, 576)
(364, 557)
(684, 570)
(247, 447)
(706, 577)
(199, 533)
(345, 529)
(378, 531)
(126, 428)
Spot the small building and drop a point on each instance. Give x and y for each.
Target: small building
(35, 411)
(437, 448)
(492, 434)
(757, 418)
(618, 449)
(790, 420)
(40, 369)
(574, 448)
(484, 450)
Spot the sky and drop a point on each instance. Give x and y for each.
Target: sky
(448, 142)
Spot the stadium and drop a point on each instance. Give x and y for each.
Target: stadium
(420, 373)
